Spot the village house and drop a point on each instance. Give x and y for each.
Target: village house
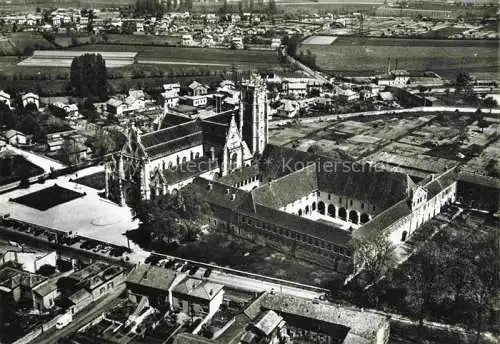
(15, 137)
(200, 298)
(30, 98)
(5, 98)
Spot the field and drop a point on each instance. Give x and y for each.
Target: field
(48, 198)
(351, 56)
(22, 42)
(188, 56)
(321, 40)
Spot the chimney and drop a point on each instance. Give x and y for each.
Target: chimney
(210, 292)
(210, 186)
(233, 197)
(227, 191)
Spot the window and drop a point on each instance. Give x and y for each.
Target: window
(362, 206)
(319, 193)
(340, 200)
(329, 197)
(350, 202)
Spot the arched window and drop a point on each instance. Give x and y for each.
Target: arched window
(353, 217)
(313, 206)
(321, 207)
(197, 156)
(342, 213)
(365, 218)
(184, 160)
(307, 210)
(300, 212)
(331, 210)
(234, 161)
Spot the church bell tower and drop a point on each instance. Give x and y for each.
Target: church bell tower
(254, 111)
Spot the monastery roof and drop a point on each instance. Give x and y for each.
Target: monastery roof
(384, 219)
(219, 194)
(279, 193)
(190, 169)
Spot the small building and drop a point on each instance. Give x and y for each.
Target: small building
(297, 89)
(5, 98)
(196, 297)
(197, 89)
(153, 282)
(288, 109)
(115, 106)
(348, 96)
(396, 78)
(30, 98)
(187, 40)
(195, 101)
(275, 43)
(15, 137)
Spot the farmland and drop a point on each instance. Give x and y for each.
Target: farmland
(364, 56)
(197, 56)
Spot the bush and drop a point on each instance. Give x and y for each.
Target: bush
(46, 270)
(63, 265)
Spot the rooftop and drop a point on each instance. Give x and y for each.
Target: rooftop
(152, 277)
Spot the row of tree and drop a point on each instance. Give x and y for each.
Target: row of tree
(452, 278)
(173, 217)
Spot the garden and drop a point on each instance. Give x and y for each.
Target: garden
(47, 198)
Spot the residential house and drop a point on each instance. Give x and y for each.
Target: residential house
(116, 106)
(348, 95)
(5, 98)
(295, 89)
(195, 101)
(15, 137)
(196, 297)
(153, 282)
(197, 89)
(17, 285)
(187, 41)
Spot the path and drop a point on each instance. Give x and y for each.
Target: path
(44, 162)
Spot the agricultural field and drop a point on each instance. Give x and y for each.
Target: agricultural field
(143, 39)
(359, 56)
(22, 42)
(192, 56)
(321, 40)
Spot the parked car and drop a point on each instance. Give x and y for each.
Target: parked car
(207, 272)
(193, 270)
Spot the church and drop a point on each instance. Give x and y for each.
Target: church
(165, 160)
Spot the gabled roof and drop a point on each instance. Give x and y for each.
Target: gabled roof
(384, 219)
(153, 277)
(198, 289)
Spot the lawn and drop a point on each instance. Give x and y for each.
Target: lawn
(47, 198)
(95, 180)
(16, 167)
(236, 253)
(352, 56)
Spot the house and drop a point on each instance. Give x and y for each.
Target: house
(348, 95)
(200, 298)
(30, 98)
(195, 101)
(153, 282)
(171, 98)
(297, 89)
(275, 43)
(289, 108)
(17, 285)
(115, 106)
(197, 89)
(32, 261)
(396, 78)
(15, 137)
(207, 41)
(5, 98)
(45, 293)
(187, 40)
(93, 282)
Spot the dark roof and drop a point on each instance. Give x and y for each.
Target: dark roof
(169, 140)
(439, 184)
(364, 182)
(239, 175)
(152, 277)
(283, 191)
(214, 133)
(479, 179)
(171, 120)
(278, 161)
(384, 219)
(190, 169)
(219, 194)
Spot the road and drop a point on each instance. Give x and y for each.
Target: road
(255, 285)
(47, 164)
(82, 318)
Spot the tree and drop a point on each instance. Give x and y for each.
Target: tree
(463, 83)
(490, 102)
(46, 270)
(88, 77)
(482, 124)
(272, 9)
(169, 5)
(424, 275)
(177, 216)
(374, 255)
